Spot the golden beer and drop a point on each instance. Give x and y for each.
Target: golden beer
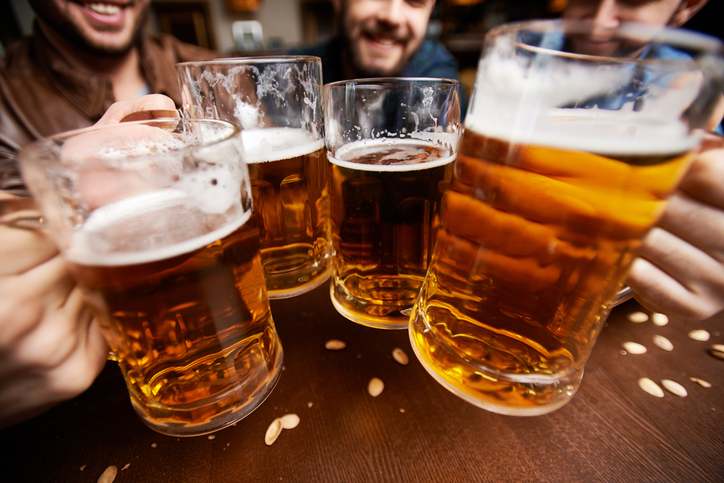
(188, 322)
(535, 240)
(385, 205)
(288, 171)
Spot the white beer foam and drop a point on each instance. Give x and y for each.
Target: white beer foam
(123, 148)
(274, 144)
(372, 145)
(526, 105)
(249, 116)
(90, 245)
(136, 140)
(215, 189)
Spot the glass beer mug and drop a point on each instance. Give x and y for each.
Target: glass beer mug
(152, 218)
(277, 102)
(573, 140)
(391, 143)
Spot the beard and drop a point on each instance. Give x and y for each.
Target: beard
(354, 56)
(54, 17)
(363, 70)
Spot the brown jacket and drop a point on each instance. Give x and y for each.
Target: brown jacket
(41, 94)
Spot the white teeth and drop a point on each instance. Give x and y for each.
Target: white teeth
(104, 9)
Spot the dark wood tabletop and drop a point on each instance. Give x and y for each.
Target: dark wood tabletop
(415, 431)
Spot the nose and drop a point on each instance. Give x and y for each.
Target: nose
(392, 12)
(606, 14)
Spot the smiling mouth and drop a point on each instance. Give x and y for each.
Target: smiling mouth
(104, 8)
(385, 40)
(599, 41)
(594, 45)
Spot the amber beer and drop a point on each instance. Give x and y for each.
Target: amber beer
(385, 205)
(189, 322)
(288, 171)
(535, 241)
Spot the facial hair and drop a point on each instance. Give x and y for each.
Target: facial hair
(354, 57)
(54, 17)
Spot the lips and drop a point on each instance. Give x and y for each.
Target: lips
(382, 42)
(104, 8)
(107, 13)
(595, 46)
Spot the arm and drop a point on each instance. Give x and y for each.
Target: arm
(51, 348)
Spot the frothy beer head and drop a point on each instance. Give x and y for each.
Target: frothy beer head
(139, 191)
(275, 144)
(150, 227)
(555, 103)
(392, 155)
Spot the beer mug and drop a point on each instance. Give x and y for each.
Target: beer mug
(152, 218)
(573, 141)
(391, 143)
(277, 102)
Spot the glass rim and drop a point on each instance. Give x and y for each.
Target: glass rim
(394, 81)
(674, 36)
(253, 60)
(23, 155)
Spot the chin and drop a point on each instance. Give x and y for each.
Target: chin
(108, 43)
(375, 68)
(598, 48)
(375, 64)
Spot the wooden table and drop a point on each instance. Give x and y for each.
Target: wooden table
(415, 431)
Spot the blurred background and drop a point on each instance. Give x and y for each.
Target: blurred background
(264, 27)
